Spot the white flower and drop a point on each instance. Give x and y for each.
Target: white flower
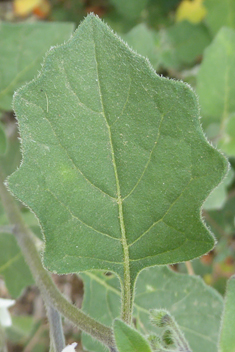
(5, 318)
(70, 348)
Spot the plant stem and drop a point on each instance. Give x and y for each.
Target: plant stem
(6, 229)
(56, 329)
(189, 268)
(3, 347)
(48, 289)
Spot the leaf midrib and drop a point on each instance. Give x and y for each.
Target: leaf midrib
(126, 285)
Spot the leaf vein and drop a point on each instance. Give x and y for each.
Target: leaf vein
(69, 87)
(150, 156)
(75, 217)
(162, 218)
(62, 147)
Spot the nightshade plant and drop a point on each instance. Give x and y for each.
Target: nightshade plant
(116, 168)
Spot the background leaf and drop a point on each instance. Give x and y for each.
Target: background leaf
(13, 268)
(215, 83)
(227, 337)
(146, 42)
(219, 14)
(22, 47)
(118, 195)
(131, 8)
(182, 44)
(218, 197)
(3, 141)
(196, 307)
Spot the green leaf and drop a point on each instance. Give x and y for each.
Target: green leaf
(218, 197)
(3, 141)
(182, 44)
(128, 339)
(22, 47)
(115, 164)
(11, 159)
(227, 141)
(196, 307)
(219, 14)
(222, 221)
(216, 77)
(146, 42)
(13, 268)
(131, 8)
(227, 336)
(22, 328)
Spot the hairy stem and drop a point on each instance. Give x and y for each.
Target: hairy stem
(48, 289)
(56, 329)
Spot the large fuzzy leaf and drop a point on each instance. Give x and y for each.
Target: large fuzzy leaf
(115, 164)
(196, 307)
(22, 47)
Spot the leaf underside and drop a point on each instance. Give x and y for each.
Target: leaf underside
(115, 164)
(196, 307)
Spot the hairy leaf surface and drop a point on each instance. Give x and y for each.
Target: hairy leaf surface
(128, 339)
(115, 164)
(22, 47)
(196, 307)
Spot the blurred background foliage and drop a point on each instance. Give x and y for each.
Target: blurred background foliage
(190, 40)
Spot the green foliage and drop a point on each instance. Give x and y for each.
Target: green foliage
(128, 339)
(192, 303)
(22, 47)
(118, 194)
(215, 82)
(3, 141)
(227, 336)
(219, 14)
(116, 166)
(22, 329)
(146, 42)
(131, 8)
(217, 198)
(172, 334)
(182, 44)
(173, 47)
(12, 265)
